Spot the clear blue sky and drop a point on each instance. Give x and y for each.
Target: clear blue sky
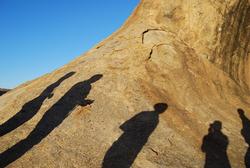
(38, 36)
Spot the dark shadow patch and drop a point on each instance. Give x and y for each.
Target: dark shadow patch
(137, 130)
(3, 91)
(31, 108)
(215, 145)
(51, 119)
(245, 132)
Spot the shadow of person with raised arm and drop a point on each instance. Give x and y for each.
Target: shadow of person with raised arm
(137, 130)
(245, 132)
(51, 119)
(31, 108)
(215, 145)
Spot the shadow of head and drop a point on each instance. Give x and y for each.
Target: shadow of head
(241, 112)
(83, 86)
(160, 107)
(216, 126)
(67, 76)
(95, 78)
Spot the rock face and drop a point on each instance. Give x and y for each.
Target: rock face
(170, 88)
(3, 91)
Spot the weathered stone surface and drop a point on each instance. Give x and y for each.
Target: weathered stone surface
(192, 55)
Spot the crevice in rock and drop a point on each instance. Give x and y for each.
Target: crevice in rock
(156, 29)
(146, 31)
(150, 54)
(154, 151)
(152, 50)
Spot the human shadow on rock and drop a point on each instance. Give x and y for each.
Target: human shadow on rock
(245, 132)
(51, 119)
(137, 130)
(31, 108)
(215, 145)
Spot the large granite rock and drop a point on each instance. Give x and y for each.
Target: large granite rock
(98, 110)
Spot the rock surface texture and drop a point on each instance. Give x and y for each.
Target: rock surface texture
(101, 110)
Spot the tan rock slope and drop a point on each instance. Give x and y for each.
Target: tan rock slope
(101, 109)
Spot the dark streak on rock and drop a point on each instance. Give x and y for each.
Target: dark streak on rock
(3, 91)
(235, 40)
